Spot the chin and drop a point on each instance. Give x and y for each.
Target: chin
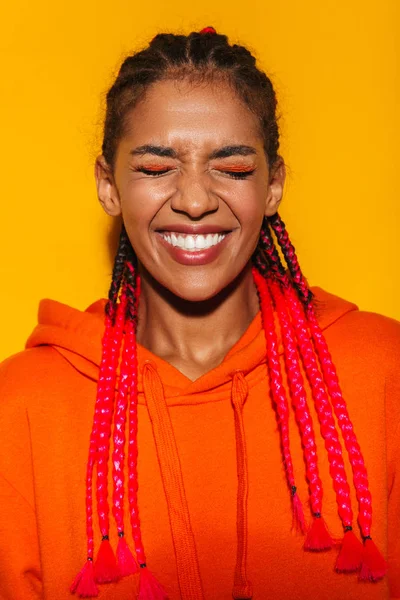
(197, 286)
(201, 289)
(196, 294)
(195, 291)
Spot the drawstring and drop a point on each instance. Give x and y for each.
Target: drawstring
(185, 549)
(242, 588)
(168, 458)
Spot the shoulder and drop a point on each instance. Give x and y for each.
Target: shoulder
(358, 336)
(27, 374)
(365, 346)
(372, 336)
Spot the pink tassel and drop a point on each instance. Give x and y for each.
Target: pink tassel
(299, 522)
(373, 565)
(105, 567)
(149, 588)
(318, 537)
(349, 557)
(127, 565)
(84, 584)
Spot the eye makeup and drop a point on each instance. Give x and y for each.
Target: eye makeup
(153, 170)
(235, 171)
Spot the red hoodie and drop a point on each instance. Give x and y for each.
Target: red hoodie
(47, 397)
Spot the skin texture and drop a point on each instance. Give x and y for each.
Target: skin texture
(192, 315)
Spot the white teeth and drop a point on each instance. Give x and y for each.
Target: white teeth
(200, 241)
(193, 242)
(189, 242)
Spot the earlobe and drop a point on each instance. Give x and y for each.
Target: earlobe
(275, 188)
(272, 205)
(106, 188)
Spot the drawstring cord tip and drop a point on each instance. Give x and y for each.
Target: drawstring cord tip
(84, 584)
(318, 537)
(373, 565)
(149, 588)
(105, 567)
(127, 565)
(350, 553)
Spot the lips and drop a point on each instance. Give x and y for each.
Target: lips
(195, 229)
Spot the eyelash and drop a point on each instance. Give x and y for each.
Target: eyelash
(233, 174)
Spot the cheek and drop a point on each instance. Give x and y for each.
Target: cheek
(141, 200)
(248, 205)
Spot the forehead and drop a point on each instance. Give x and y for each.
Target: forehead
(183, 112)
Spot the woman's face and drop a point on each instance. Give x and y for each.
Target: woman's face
(193, 185)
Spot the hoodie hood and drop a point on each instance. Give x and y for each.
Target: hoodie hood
(77, 335)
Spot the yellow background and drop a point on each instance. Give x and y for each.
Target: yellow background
(334, 67)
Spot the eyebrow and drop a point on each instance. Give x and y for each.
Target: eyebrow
(166, 151)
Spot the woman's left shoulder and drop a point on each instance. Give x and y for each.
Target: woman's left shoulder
(364, 336)
(371, 326)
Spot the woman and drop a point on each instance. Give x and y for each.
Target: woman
(220, 428)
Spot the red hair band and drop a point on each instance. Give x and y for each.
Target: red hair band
(208, 30)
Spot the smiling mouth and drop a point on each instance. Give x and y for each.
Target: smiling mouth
(193, 243)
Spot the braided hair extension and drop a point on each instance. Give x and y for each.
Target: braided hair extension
(331, 382)
(330, 378)
(281, 403)
(298, 394)
(207, 56)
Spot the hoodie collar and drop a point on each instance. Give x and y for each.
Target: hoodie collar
(77, 336)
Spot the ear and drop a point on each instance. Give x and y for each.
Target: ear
(275, 187)
(106, 188)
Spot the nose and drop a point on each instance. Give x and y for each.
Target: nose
(193, 196)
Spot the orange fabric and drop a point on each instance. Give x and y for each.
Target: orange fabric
(171, 472)
(47, 395)
(242, 587)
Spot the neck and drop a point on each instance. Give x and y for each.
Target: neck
(195, 336)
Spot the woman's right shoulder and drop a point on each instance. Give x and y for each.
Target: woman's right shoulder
(29, 373)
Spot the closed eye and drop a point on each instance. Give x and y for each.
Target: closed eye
(234, 174)
(153, 172)
(239, 174)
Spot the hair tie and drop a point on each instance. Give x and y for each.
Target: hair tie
(208, 30)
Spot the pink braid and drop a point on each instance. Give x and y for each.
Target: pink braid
(373, 565)
(274, 370)
(291, 259)
(84, 583)
(360, 477)
(149, 587)
(299, 398)
(324, 411)
(126, 563)
(133, 428)
(356, 459)
(94, 436)
(107, 381)
(119, 437)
